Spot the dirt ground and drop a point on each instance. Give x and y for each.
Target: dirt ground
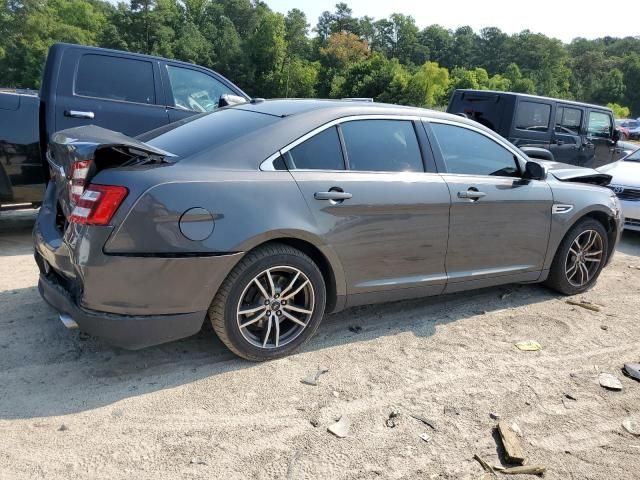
(75, 408)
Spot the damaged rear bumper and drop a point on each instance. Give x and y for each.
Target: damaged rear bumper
(126, 331)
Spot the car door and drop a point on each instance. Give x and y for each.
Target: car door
(387, 220)
(599, 138)
(112, 91)
(499, 223)
(190, 91)
(566, 143)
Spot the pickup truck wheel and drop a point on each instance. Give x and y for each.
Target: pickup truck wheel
(580, 258)
(270, 304)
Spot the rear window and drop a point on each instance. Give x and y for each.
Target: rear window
(202, 132)
(115, 78)
(533, 116)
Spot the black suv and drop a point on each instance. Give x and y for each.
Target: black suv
(575, 133)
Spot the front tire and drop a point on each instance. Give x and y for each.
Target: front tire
(270, 304)
(580, 258)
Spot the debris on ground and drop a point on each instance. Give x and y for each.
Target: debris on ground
(391, 421)
(341, 428)
(198, 461)
(63, 428)
(315, 422)
(632, 426)
(426, 421)
(632, 370)
(571, 396)
(529, 346)
(335, 394)
(512, 448)
(610, 382)
(584, 304)
(604, 327)
(505, 295)
(525, 470)
(494, 416)
(312, 378)
(425, 437)
(355, 329)
(487, 468)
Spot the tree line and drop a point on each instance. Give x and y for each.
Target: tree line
(271, 55)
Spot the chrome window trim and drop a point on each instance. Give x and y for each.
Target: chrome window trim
(267, 165)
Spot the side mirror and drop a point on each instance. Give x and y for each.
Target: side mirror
(534, 171)
(227, 100)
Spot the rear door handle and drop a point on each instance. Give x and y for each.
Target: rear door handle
(471, 195)
(334, 195)
(79, 114)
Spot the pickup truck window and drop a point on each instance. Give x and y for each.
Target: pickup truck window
(195, 91)
(533, 116)
(599, 125)
(115, 78)
(568, 120)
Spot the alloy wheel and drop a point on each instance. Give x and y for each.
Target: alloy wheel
(275, 307)
(584, 258)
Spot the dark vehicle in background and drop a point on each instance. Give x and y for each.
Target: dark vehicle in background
(576, 133)
(266, 215)
(121, 91)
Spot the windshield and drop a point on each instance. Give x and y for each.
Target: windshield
(634, 157)
(208, 130)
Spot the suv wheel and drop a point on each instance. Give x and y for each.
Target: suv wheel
(580, 258)
(270, 304)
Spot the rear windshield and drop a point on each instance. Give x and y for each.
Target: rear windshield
(203, 132)
(634, 157)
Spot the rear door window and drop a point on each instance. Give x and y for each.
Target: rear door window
(599, 125)
(320, 152)
(467, 152)
(115, 78)
(195, 91)
(568, 120)
(533, 116)
(382, 146)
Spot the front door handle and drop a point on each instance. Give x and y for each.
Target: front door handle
(472, 195)
(79, 114)
(335, 195)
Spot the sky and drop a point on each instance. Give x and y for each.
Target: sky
(555, 18)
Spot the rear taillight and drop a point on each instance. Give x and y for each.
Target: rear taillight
(97, 204)
(78, 181)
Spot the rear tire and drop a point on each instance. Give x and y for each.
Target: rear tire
(580, 258)
(270, 304)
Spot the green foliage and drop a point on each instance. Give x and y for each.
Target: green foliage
(619, 111)
(272, 55)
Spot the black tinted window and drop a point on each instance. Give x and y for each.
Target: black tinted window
(533, 116)
(382, 146)
(115, 78)
(206, 131)
(568, 120)
(472, 153)
(320, 152)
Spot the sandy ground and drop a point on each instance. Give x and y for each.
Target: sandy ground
(76, 408)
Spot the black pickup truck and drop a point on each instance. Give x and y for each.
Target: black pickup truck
(121, 91)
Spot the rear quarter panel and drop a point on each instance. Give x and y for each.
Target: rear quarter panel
(248, 207)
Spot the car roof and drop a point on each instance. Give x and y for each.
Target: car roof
(285, 108)
(534, 97)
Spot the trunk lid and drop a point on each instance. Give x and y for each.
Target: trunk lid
(76, 155)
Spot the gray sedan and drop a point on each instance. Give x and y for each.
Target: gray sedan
(265, 216)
